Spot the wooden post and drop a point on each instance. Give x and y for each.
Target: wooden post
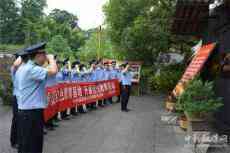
(99, 42)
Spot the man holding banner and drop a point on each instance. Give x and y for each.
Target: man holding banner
(31, 80)
(115, 74)
(107, 76)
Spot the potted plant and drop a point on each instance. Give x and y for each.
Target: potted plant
(183, 121)
(170, 103)
(198, 100)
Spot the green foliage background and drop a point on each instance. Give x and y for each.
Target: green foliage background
(133, 30)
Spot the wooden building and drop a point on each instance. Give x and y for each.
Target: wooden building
(208, 20)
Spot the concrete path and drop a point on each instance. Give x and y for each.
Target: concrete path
(109, 130)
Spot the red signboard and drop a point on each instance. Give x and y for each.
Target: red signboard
(198, 62)
(194, 67)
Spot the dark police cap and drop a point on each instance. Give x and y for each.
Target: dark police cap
(113, 62)
(20, 53)
(126, 63)
(55, 56)
(37, 48)
(65, 61)
(59, 62)
(92, 62)
(77, 62)
(123, 65)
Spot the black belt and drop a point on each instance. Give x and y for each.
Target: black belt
(30, 110)
(126, 86)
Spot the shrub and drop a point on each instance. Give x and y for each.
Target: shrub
(165, 79)
(199, 97)
(146, 73)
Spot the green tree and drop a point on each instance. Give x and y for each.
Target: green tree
(62, 16)
(32, 10)
(121, 14)
(31, 16)
(76, 39)
(9, 22)
(140, 27)
(59, 46)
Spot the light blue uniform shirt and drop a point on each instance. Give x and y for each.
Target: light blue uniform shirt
(93, 76)
(75, 76)
(119, 75)
(59, 77)
(100, 74)
(107, 75)
(114, 74)
(126, 78)
(31, 81)
(85, 77)
(66, 74)
(51, 81)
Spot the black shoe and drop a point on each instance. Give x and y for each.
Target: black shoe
(15, 146)
(45, 132)
(101, 105)
(94, 107)
(125, 110)
(57, 120)
(128, 110)
(50, 128)
(66, 118)
(55, 125)
(74, 113)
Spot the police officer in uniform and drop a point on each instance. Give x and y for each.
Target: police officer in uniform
(75, 77)
(51, 124)
(21, 58)
(85, 76)
(66, 78)
(126, 83)
(59, 79)
(115, 74)
(95, 75)
(107, 76)
(31, 80)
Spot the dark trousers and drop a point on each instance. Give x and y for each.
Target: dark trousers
(125, 93)
(31, 125)
(108, 101)
(100, 102)
(119, 96)
(14, 125)
(64, 114)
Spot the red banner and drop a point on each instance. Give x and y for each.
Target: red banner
(69, 95)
